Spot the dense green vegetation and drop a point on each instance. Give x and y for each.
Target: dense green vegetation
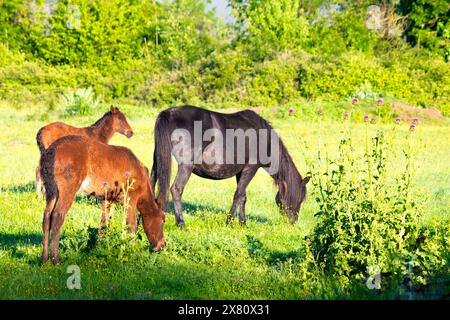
(171, 52)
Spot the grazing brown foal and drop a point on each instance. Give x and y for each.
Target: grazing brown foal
(101, 170)
(102, 130)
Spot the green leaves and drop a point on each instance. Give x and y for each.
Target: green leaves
(365, 220)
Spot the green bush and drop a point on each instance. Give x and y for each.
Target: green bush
(367, 221)
(80, 102)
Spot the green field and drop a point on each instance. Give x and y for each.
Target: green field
(208, 259)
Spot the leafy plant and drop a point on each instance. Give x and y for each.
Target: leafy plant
(80, 102)
(366, 219)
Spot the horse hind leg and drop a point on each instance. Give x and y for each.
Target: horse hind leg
(183, 174)
(46, 228)
(62, 206)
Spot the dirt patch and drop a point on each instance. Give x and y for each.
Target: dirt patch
(408, 112)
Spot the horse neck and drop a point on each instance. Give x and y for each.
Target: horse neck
(103, 129)
(287, 171)
(149, 205)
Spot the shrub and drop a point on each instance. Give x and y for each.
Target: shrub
(367, 223)
(80, 102)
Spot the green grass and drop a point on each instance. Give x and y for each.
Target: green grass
(208, 259)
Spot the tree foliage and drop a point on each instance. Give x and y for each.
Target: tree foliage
(167, 52)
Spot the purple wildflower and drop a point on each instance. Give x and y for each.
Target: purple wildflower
(398, 120)
(415, 120)
(105, 184)
(366, 118)
(379, 101)
(412, 127)
(127, 174)
(291, 110)
(355, 100)
(346, 115)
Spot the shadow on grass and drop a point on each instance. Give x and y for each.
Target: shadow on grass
(257, 251)
(9, 240)
(20, 188)
(30, 187)
(13, 241)
(193, 209)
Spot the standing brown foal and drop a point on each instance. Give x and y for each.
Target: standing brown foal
(75, 162)
(103, 130)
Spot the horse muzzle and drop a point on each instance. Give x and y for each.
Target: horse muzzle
(129, 134)
(161, 244)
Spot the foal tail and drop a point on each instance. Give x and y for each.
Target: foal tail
(46, 165)
(162, 161)
(39, 142)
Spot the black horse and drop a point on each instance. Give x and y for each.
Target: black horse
(209, 155)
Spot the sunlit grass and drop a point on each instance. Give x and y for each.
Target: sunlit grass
(208, 259)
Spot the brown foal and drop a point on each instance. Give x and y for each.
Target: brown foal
(74, 162)
(102, 130)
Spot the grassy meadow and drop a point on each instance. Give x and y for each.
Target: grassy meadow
(208, 259)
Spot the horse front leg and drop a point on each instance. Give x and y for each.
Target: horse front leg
(131, 216)
(106, 209)
(234, 206)
(183, 174)
(240, 196)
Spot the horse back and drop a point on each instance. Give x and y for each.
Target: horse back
(185, 116)
(90, 164)
(54, 131)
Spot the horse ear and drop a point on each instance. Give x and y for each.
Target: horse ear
(283, 188)
(306, 180)
(159, 202)
(113, 109)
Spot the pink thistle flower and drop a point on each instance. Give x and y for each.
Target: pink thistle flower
(415, 120)
(366, 118)
(291, 110)
(105, 184)
(355, 100)
(379, 101)
(398, 120)
(346, 115)
(127, 174)
(412, 127)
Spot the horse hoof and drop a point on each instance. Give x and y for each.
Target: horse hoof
(181, 224)
(229, 219)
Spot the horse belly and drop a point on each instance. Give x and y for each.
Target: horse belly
(217, 172)
(90, 187)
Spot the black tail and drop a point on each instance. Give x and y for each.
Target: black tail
(162, 161)
(39, 141)
(46, 164)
